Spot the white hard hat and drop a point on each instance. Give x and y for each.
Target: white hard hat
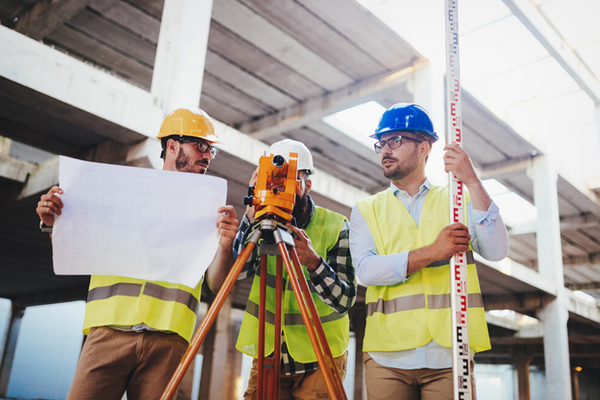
(287, 146)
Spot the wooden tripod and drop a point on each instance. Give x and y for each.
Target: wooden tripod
(277, 241)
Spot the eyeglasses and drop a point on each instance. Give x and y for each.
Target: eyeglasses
(202, 146)
(393, 142)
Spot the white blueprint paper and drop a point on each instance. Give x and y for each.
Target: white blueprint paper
(136, 222)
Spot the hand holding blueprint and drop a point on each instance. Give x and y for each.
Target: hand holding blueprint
(136, 222)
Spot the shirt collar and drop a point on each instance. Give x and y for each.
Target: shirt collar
(425, 186)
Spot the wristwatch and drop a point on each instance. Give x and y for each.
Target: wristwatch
(45, 228)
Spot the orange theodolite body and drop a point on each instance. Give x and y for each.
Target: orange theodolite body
(275, 190)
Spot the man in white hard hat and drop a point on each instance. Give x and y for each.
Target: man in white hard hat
(139, 330)
(322, 245)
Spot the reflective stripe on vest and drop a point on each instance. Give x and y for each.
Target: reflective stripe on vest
(323, 230)
(171, 294)
(151, 289)
(118, 289)
(115, 300)
(272, 280)
(410, 314)
(290, 319)
(416, 301)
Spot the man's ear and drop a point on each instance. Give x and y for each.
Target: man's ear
(171, 147)
(308, 185)
(425, 147)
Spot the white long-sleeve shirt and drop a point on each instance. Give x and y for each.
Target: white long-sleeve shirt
(489, 238)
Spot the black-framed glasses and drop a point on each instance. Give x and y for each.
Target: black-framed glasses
(394, 142)
(202, 146)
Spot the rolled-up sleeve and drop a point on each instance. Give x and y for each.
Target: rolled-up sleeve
(489, 236)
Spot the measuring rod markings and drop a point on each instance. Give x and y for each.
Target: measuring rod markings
(458, 263)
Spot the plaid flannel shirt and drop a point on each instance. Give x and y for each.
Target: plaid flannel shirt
(334, 280)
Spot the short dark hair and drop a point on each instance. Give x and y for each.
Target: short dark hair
(163, 144)
(164, 140)
(425, 137)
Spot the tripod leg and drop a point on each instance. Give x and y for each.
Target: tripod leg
(325, 360)
(263, 377)
(209, 319)
(317, 321)
(277, 349)
(268, 369)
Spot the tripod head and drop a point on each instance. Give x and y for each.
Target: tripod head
(274, 195)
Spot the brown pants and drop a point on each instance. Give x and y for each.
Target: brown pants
(384, 383)
(113, 361)
(307, 386)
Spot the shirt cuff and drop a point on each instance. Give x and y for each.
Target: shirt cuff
(323, 270)
(401, 267)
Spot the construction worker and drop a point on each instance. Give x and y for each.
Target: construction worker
(321, 240)
(401, 244)
(139, 330)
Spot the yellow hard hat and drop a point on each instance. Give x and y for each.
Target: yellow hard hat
(191, 122)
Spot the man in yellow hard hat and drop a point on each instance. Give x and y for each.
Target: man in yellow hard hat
(321, 240)
(401, 244)
(139, 330)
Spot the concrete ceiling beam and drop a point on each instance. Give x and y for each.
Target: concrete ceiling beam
(66, 79)
(314, 109)
(529, 15)
(47, 15)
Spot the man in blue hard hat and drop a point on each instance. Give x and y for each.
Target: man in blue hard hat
(401, 244)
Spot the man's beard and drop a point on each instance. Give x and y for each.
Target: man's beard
(402, 170)
(399, 173)
(183, 163)
(300, 207)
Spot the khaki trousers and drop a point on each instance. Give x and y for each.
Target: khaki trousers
(113, 362)
(385, 383)
(307, 386)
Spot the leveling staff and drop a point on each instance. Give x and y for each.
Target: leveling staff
(139, 330)
(401, 244)
(322, 245)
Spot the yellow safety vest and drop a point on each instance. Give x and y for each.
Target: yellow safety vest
(116, 300)
(323, 231)
(410, 314)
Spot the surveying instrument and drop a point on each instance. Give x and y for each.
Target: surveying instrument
(273, 198)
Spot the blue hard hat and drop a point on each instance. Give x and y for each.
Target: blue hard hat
(405, 117)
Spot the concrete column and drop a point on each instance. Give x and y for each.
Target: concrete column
(9, 345)
(109, 151)
(216, 360)
(522, 361)
(427, 86)
(358, 323)
(234, 365)
(187, 384)
(5, 144)
(181, 53)
(597, 109)
(554, 315)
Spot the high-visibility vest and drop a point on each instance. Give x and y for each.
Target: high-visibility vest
(410, 314)
(116, 300)
(323, 231)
